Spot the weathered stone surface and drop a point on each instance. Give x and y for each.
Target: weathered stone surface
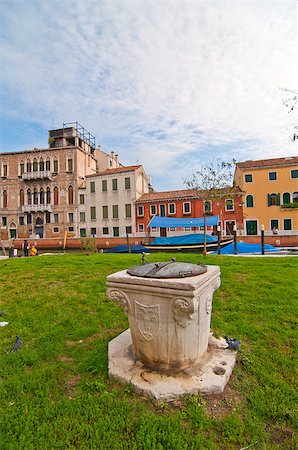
(209, 375)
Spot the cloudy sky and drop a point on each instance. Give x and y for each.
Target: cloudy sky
(169, 84)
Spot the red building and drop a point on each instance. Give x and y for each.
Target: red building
(189, 203)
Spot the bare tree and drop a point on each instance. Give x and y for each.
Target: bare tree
(291, 103)
(209, 180)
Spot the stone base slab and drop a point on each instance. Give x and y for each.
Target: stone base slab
(209, 376)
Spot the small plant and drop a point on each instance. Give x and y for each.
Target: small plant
(89, 244)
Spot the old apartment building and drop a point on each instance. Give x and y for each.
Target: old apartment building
(39, 187)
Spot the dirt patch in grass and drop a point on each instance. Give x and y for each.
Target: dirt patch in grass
(241, 277)
(71, 385)
(278, 435)
(219, 405)
(65, 358)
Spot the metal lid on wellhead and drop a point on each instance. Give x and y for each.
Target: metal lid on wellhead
(168, 269)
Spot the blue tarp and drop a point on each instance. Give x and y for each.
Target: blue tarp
(122, 248)
(188, 239)
(168, 222)
(244, 247)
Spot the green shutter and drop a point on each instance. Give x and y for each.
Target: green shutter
(269, 199)
(278, 199)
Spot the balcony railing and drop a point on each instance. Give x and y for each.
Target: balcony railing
(36, 208)
(37, 175)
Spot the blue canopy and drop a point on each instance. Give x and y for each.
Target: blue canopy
(245, 247)
(169, 222)
(123, 248)
(188, 239)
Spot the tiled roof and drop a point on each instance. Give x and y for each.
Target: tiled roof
(181, 194)
(274, 162)
(115, 170)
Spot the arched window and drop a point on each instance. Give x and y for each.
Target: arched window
(273, 199)
(22, 168)
(249, 201)
(48, 196)
(207, 206)
(41, 196)
(35, 165)
(29, 197)
(22, 198)
(286, 198)
(295, 197)
(48, 164)
(4, 199)
(35, 197)
(56, 196)
(70, 195)
(41, 165)
(28, 166)
(56, 168)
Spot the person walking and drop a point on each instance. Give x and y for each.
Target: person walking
(26, 248)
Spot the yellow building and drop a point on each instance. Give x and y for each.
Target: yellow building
(270, 197)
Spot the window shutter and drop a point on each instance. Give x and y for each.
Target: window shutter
(269, 199)
(278, 199)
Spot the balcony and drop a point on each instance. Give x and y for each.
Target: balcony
(39, 175)
(40, 207)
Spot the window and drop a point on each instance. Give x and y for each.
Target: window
(104, 185)
(55, 230)
(248, 178)
(4, 199)
(128, 210)
(172, 229)
(21, 220)
(92, 186)
(29, 197)
(48, 196)
(82, 232)
(115, 184)
(35, 165)
(251, 228)
(115, 212)
(93, 213)
(287, 224)
(229, 204)
(186, 208)
(105, 230)
(5, 171)
(162, 210)
(274, 224)
(272, 176)
(295, 197)
(273, 199)
(172, 208)
(140, 211)
(154, 229)
(35, 197)
(55, 165)
(152, 210)
(70, 217)
(116, 231)
(82, 199)
(41, 165)
(41, 196)
(141, 227)
(127, 183)
(22, 168)
(105, 212)
(4, 221)
(56, 196)
(22, 198)
(187, 228)
(70, 195)
(28, 166)
(249, 201)
(48, 164)
(286, 198)
(48, 217)
(93, 232)
(207, 206)
(56, 218)
(70, 229)
(69, 165)
(128, 230)
(82, 217)
(294, 173)
(29, 219)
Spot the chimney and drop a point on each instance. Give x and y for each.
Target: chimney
(116, 160)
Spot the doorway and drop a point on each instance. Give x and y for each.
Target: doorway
(39, 230)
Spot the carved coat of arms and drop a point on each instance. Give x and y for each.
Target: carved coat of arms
(147, 319)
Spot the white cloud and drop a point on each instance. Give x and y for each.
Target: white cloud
(165, 81)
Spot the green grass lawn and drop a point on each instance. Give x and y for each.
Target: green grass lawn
(55, 392)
